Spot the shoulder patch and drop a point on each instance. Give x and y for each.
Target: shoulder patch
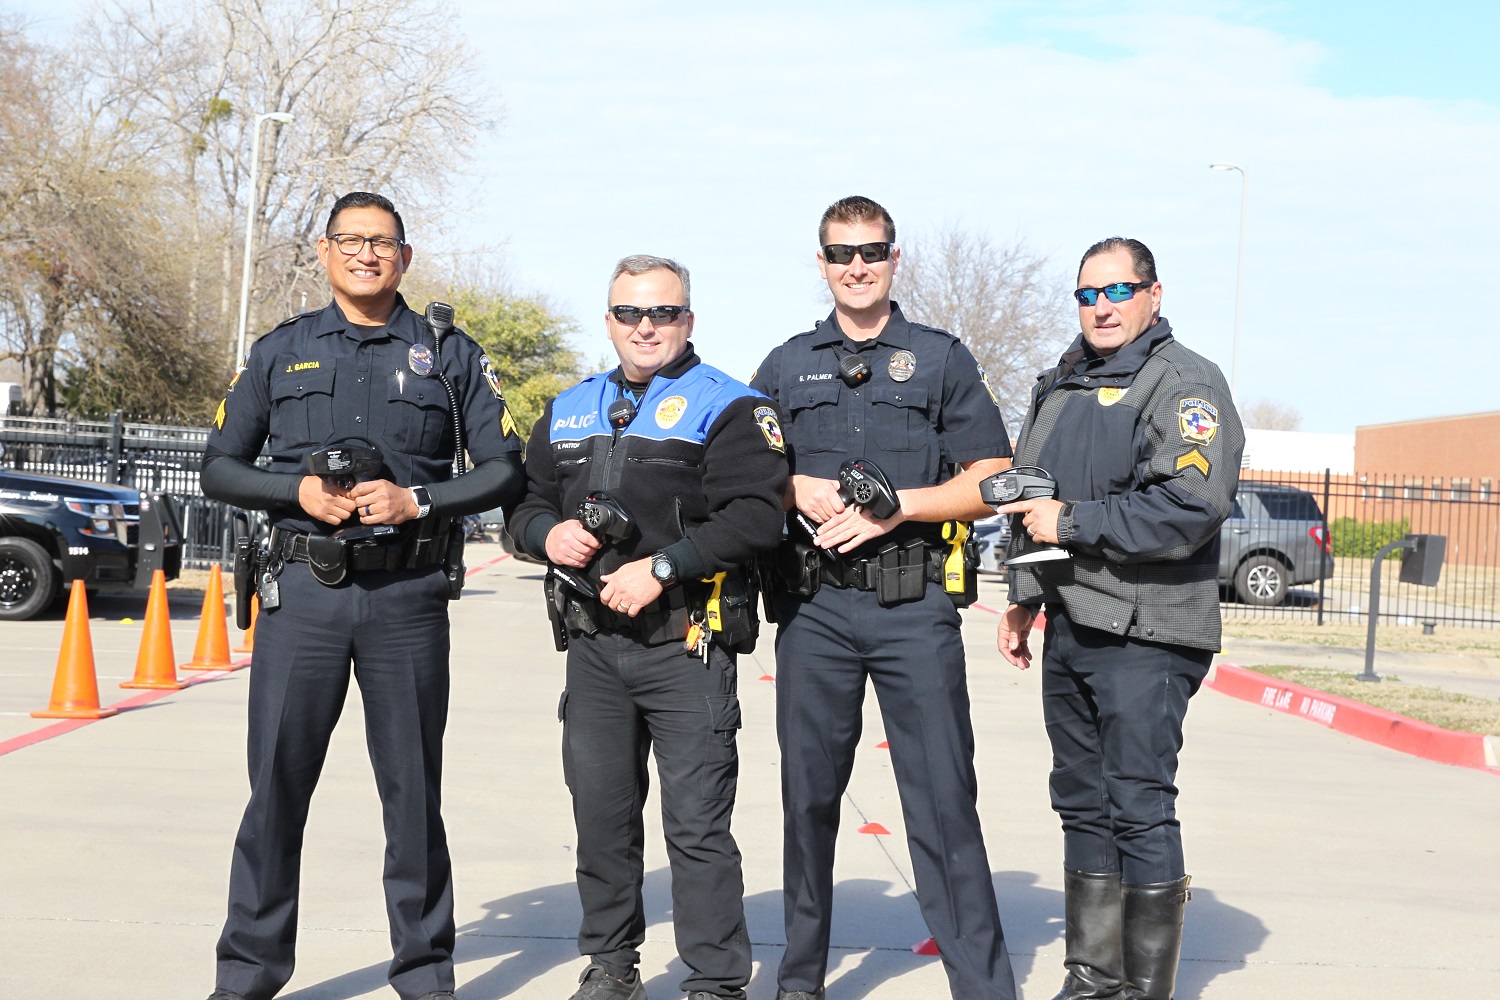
(770, 427)
(984, 380)
(488, 371)
(1197, 420)
(1193, 459)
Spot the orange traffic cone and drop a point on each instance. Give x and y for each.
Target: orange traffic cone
(155, 665)
(212, 649)
(75, 690)
(247, 644)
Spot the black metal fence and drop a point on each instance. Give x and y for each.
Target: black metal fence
(150, 457)
(1321, 532)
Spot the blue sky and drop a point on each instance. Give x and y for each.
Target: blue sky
(715, 134)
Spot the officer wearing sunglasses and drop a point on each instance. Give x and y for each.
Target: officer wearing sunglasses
(870, 384)
(1145, 443)
(693, 465)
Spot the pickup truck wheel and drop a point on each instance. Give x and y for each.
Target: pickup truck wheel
(28, 579)
(1261, 580)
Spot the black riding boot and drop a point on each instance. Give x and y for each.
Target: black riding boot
(1095, 964)
(1153, 937)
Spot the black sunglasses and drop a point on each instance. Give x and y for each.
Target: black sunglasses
(659, 314)
(843, 253)
(1118, 292)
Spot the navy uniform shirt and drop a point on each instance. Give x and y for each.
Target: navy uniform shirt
(318, 380)
(925, 409)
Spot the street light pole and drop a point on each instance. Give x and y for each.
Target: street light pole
(273, 116)
(1239, 275)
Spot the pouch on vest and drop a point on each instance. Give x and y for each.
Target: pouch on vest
(901, 572)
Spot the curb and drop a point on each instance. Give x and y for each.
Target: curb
(1365, 722)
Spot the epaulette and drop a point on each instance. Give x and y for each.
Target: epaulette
(292, 319)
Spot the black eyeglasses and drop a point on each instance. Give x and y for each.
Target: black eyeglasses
(632, 315)
(348, 243)
(843, 253)
(1118, 292)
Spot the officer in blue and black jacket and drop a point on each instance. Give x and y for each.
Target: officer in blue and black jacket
(656, 484)
(871, 385)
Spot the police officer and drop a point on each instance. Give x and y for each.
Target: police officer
(678, 471)
(364, 369)
(1144, 442)
(870, 384)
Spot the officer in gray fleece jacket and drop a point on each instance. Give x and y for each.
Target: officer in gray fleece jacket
(1144, 442)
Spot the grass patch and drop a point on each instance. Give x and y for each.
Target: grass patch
(1461, 712)
(1351, 635)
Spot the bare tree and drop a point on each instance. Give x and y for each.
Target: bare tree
(1272, 416)
(386, 98)
(1003, 301)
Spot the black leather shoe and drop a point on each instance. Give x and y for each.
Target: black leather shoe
(597, 984)
(800, 994)
(439, 995)
(224, 995)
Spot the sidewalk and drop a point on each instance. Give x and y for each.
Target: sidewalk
(1323, 867)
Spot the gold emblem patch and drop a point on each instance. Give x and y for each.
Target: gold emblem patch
(765, 419)
(669, 411)
(1110, 395)
(1198, 420)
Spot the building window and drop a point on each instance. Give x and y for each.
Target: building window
(1385, 490)
(1411, 488)
(1459, 490)
(1485, 490)
(1437, 487)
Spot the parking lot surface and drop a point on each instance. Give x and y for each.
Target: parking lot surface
(1323, 867)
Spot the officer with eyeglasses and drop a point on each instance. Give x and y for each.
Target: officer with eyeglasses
(1143, 440)
(651, 487)
(364, 372)
(873, 595)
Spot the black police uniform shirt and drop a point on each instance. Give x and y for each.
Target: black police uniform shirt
(700, 468)
(925, 409)
(318, 379)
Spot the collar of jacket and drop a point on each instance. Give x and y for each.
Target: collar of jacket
(672, 369)
(1080, 359)
(895, 333)
(333, 320)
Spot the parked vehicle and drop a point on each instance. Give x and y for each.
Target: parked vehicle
(993, 536)
(54, 531)
(1275, 538)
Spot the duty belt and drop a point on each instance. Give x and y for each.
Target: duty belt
(864, 574)
(406, 551)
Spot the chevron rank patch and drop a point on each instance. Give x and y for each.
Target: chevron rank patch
(507, 422)
(1197, 420)
(1194, 459)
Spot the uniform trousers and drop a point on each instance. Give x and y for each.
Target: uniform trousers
(393, 626)
(826, 647)
(625, 700)
(1114, 707)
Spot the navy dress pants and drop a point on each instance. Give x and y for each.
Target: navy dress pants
(827, 646)
(625, 701)
(393, 627)
(1114, 708)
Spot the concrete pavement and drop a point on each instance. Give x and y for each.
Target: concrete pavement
(1323, 867)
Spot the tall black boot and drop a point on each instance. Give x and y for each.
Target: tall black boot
(1153, 937)
(1095, 964)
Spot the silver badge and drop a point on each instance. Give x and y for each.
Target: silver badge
(419, 359)
(902, 366)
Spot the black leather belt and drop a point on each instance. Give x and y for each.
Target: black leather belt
(861, 574)
(403, 551)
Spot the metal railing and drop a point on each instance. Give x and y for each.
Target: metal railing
(1355, 515)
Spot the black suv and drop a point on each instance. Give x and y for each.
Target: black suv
(54, 531)
(1276, 537)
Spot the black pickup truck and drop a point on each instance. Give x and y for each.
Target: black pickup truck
(54, 531)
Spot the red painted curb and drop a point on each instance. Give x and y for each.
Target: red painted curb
(1352, 718)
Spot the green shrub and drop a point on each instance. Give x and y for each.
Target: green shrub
(1362, 539)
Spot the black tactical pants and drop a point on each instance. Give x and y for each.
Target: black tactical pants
(826, 648)
(623, 701)
(394, 627)
(1114, 708)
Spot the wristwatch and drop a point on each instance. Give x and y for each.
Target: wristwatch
(662, 570)
(423, 500)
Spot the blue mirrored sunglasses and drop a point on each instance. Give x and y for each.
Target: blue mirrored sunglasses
(1118, 292)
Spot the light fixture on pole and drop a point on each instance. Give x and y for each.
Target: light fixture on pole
(273, 116)
(1239, 274)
